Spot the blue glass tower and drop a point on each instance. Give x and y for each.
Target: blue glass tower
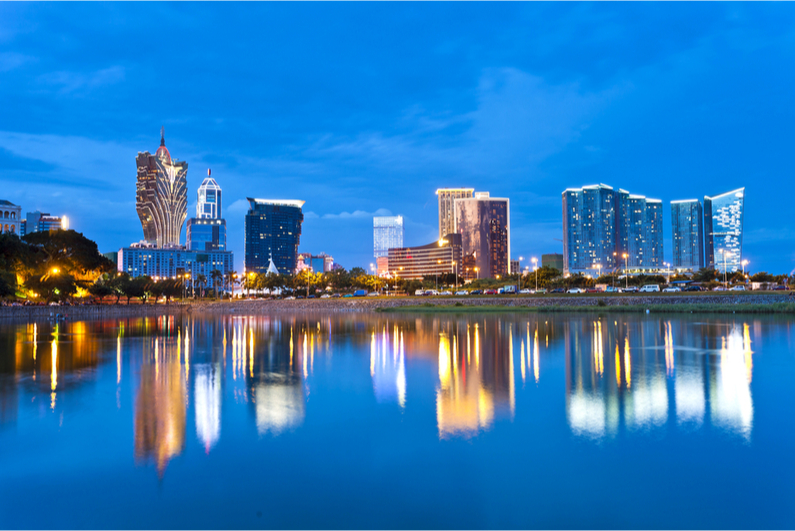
(273, 231)
(687, 234)
(723, 230)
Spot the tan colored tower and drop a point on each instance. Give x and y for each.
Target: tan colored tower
(447, 197)
(162, 195)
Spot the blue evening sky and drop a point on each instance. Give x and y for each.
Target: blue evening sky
(363, 108)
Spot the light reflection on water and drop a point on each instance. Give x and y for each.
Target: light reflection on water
(618, 377)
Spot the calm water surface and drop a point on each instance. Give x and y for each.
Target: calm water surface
(377, 421)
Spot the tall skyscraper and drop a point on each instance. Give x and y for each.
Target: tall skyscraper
(161, 195)
(484, 224)
(387, 234)
(447, 197)
(687, 234)
(723, 230)
(207, 231)
(273, 231)
(600, 225)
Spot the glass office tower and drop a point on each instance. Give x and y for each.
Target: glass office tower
(161, 195)
(723, 230)
(273, 230)
(687, 234)
(207, 231)
(387, 234)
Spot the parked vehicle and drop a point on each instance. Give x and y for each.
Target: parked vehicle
(359, 293)
(445, 293)
(462, 292)
(490, 292)
(737, 288)
(693, 288)
(290, 298)
(511, 289)
(558, 290)
(373, 294)
(419, 292)
(347, 295)
(719, 288)
(575, 290)
(476, 292)
(526, 291)
(611, 289)
(650, 288)
(540, 291)
(592, 290)
(336, 296)
(780, 288)
(311, 297)
(671, 289)
(631, 289)
(431, 292)
(325, 296)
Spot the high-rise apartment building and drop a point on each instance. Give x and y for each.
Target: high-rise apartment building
(425, 261)
(273, 232)
(601, 225)
(161, 195)
(484, 224)
(207, 231)
(723, 230)
(447, 198)
(387, 234)
(687, 234)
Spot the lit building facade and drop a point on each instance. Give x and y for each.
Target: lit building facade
(273, 231)
(10, 217)
(207, 231)
(687, 234)
(170, 262)
(723, 230)
(161, 195)
(601, 225)
(321, 263)
(484, 224)
(437, 258)
(447, 198)
(41, 222)
(387, 234)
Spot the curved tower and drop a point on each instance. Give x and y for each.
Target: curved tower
(162, 195)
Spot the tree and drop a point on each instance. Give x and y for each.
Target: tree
(100, 289)
(201, 280)
(171, 288)
(68, 250)
(763, 276)
(216, 278)
(705, 274)
(357, 272)
(54, 284)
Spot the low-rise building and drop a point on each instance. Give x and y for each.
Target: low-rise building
(552, 260)
(168, 262)
(437, 258)
(10, 217)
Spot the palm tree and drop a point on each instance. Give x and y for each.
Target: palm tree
(230, 278)
(217, 277)
(200, 279)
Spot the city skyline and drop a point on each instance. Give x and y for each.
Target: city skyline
(510, 121)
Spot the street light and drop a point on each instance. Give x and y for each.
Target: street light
(668, 270)
(436, 273)
(744, 263)
(477, 272)
(626, 273)
(535, 268)
(724, 252)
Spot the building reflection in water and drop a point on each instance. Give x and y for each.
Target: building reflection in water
(161, 402)
(388, 365)
(476, 376)
(207, 403)
(696, 363)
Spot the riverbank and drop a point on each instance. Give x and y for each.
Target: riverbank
(764, 302)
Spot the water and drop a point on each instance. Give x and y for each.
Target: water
(404, 421)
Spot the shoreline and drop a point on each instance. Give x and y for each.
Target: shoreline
(765, 302)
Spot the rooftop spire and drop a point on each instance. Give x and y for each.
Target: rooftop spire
(162, 136)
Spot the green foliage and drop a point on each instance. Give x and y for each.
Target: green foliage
(705, 274)
(763, 276)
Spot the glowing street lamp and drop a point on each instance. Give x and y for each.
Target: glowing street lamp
(724, 252)
(535, 268)
(744, 263)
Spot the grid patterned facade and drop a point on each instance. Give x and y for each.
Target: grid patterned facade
(437, 258)
(447, 198)
(723, 230)
(273, 230)
(387, 234)
(600, 225)
(484, 224)
(687, 234)
(167, 263)
(9, 217)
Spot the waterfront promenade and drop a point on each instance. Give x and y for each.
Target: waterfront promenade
(367, 304)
